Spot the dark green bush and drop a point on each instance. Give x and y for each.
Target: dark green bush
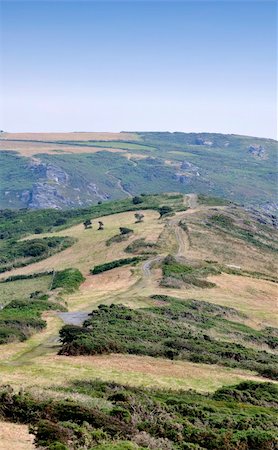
(69, 280)
(234, 417)
(124, 230)
(113, 264)
(165, 210)
(137, 200)
(21, 253)
(177, 329)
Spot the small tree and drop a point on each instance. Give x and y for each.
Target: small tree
(87, 224)
(139, 217)
(100, 225)
(124, 230)
(136, 200)
(60, 221)
(165, 210)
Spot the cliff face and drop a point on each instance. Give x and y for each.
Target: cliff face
(55, 189)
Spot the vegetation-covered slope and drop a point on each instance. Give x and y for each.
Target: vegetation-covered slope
(107, 416)
(79, 170)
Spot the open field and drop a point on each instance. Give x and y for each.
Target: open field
(90, 248)
(255, 298)
(75, 136)
(36, 148)
(14, 290)
(50, 370)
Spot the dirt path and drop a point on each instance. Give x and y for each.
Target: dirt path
(147, 266)
(192, 200)
(73, 318)
(119, 183)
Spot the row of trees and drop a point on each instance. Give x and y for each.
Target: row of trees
(139, 217)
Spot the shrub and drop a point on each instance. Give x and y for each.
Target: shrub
(165, 210)
(35, 249)
(124, 230)
(113, 264)
(174, 329)
(69, 280)
(137, 200)
(141, 246)
(50, 433)
(147, 417)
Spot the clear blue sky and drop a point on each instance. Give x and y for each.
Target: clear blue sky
(134, 65)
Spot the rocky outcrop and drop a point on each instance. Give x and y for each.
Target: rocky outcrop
(55, 189)
(201, 141)
(187, 171)
(92, 188)
(257, 150)
(186, 165)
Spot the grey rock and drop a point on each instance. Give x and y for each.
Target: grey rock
(257, 150)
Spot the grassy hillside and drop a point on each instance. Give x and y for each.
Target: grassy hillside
(196, 311)
(78, 170)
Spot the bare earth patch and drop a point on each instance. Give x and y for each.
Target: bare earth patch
(15, 437)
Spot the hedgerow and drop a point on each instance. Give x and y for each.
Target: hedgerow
(113, 264)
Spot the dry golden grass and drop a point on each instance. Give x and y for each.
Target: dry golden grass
(213, 244)
(90, 249)
(35, 148)
(86, 136)
(255, 298)
(15, 437)
(50, 370)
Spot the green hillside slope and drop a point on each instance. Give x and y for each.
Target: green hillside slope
(70, 173)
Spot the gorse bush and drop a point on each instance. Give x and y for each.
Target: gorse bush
(124, 230)
(125, 233)
(19, 254)
(21, 318)
(175, 330)
(236, 417)
(69, 280)
(140, 246)
(187, 274)
(113, 264)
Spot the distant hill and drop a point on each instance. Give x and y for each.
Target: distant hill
(65, 170)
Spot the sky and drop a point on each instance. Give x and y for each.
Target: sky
(188, 66)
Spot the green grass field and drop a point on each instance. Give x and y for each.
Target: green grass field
(15, 290)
